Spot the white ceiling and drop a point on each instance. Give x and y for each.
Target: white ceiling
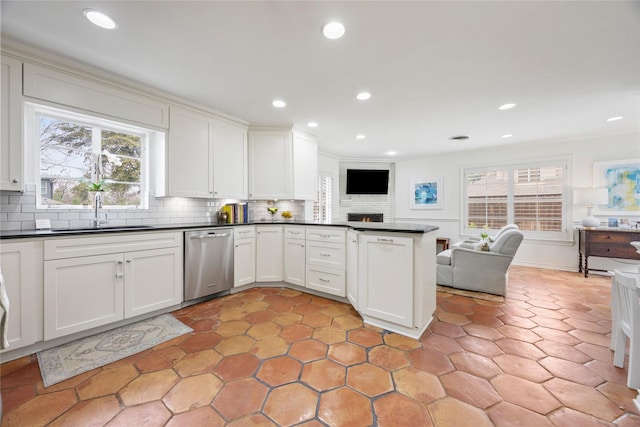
(435, 69)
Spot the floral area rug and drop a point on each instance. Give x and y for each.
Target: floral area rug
(67, 360)
(470, 294)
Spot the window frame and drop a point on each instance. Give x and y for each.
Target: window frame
(323, 204)
(564, 162)
(34, 111)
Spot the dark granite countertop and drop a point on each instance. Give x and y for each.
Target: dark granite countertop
(359, 226)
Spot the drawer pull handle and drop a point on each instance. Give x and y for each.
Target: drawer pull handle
(244, 232)
(324, 254)
(325, 235)
(385, 240)
(294, 232)
(324, 280)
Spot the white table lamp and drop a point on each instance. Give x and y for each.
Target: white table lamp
(590, 197)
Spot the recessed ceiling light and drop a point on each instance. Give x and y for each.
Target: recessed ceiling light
(333, 30)
(615, 119)
(506, 106)
(459, 137)
(360, 136)
(312, 124)
(363, 96)
(391, 153)
(100, 19)
(507, 135)
(279, 103)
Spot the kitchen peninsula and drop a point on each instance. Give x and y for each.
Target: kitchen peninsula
(385, 270)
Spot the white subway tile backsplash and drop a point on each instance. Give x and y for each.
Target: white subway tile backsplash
(19, 211)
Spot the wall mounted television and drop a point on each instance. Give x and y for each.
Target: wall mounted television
(367, 181)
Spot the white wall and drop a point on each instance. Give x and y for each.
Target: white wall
(583, 152)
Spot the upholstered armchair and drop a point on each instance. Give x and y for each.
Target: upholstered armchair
(466, 267)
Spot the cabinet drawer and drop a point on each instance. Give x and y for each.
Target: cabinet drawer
(326, 254)
(326, 234)
(101, 245)
(244, 232)
(625, 251)
(329, 280)
(606, 237)
(294, 232)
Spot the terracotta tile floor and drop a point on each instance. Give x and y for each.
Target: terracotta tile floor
(272, 356)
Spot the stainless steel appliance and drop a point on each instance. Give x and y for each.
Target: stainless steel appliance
(208, 262)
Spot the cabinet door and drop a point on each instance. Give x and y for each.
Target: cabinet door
(305, 167)
(386, 277)
(82, 293)
(270, 173)
(11, 151)
(153, 280)
(294, 261)
(189, 155)
(22, 265)
(352, 267)
(244, 262)
(229, 160)
(269, 254)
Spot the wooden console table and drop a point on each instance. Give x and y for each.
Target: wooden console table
(606, 243)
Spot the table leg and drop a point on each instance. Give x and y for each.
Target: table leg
(579, 262)
(586, 266)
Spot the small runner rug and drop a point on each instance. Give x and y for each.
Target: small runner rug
(68, 360)
(470, 294)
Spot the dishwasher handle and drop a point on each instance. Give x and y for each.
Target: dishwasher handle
(210, 236)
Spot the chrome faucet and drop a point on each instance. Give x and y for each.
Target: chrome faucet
(97, 222)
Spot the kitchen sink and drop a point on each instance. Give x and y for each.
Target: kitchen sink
(106, 228)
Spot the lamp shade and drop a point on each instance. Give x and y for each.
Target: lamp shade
(590, 196)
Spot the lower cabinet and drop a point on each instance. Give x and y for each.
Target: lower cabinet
(325, 260)
(294, 261)
(111, 282)
(21, 264)
(386, 278)
(269, 253)
(244, 255)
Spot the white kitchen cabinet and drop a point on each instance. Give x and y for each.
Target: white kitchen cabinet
(152, 280)
(21, 263)
(386, 278)
(325, 260)
(206, 156)
(94, 281)
(282, 165)
(294, 254)
(305, 167)
(230, 157)
(269, 253)
(352, 267)
(270, 165)
(244, 255)
(189, 155)
(82, 293)
(11, 147)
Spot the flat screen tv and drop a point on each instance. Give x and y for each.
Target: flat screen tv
(367, 181)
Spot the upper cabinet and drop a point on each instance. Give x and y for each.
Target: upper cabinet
(11, 151)
(206, 156)
(282, 165)
(305, 167)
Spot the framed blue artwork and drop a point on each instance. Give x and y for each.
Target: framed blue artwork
(426, 193)
(621, 178)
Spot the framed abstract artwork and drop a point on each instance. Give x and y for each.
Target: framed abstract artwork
(426, 193)
(621, 178)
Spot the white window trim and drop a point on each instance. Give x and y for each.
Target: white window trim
(563, 237)
(32, 138)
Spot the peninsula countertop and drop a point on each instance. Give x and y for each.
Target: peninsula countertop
(393, 227)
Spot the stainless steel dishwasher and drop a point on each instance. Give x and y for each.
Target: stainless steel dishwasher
(208, 262)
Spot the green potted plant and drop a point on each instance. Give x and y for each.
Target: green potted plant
(97, 186)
